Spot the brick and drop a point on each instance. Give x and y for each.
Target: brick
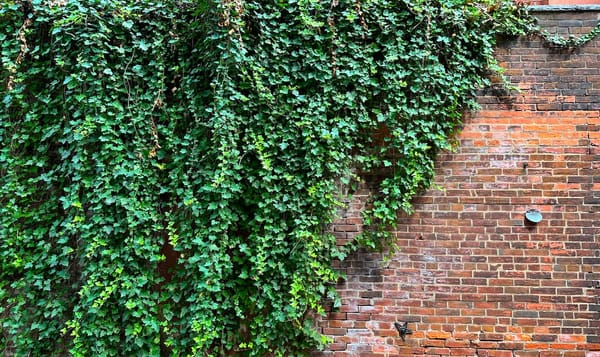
(574, 354)
(438, 334)
(526, 354)
(544, 338)
(438, 351)
(493, 353)
(457, 343)
(334, 331)
(336, 346)
(491, 337)
(485, 344)
(462, 352)
(536, 346)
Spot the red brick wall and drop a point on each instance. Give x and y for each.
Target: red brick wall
(473, 277)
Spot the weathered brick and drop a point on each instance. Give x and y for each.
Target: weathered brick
(437, 351)
(526, 354)
(438, 335)
(472, 274)
(493, 353)
(574, 354)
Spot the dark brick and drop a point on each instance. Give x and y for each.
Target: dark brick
(544, 338)
(533, 314)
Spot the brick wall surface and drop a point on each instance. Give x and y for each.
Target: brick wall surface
(473, 277)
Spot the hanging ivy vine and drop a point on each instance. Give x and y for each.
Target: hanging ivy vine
(168, 168)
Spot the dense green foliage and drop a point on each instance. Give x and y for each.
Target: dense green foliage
(221, 133)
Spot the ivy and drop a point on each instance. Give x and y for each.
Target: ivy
(557, 41)
(168, 169)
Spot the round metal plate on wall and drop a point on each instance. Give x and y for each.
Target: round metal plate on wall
(533, 216)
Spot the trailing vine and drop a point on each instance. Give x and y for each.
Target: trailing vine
(168, 169)
(558, 41)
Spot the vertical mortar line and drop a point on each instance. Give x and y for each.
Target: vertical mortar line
(589, 138)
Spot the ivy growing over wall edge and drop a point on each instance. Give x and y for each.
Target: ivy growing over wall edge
(168, 169)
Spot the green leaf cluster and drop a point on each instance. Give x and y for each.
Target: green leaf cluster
(168, 169)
